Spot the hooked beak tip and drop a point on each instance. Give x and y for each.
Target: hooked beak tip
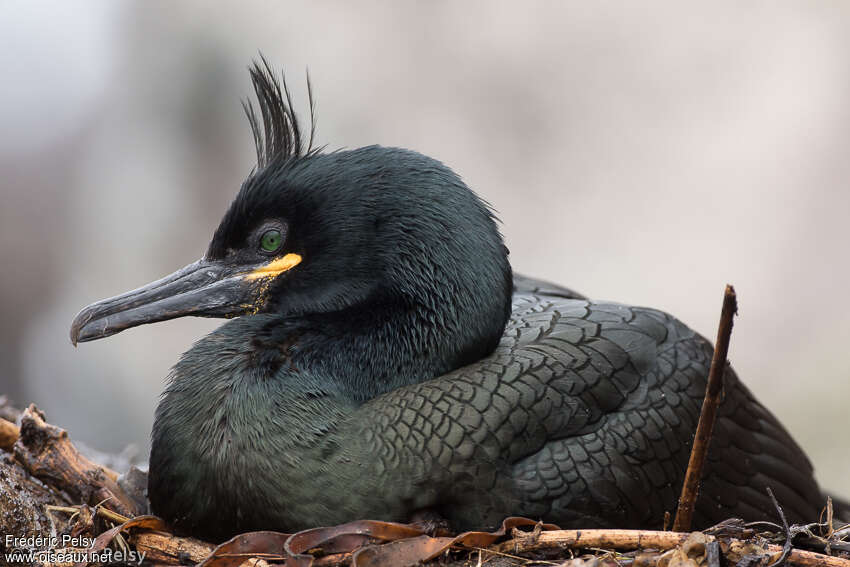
(75, 331)
(77, 325)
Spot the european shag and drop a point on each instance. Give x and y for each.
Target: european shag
(382, 360)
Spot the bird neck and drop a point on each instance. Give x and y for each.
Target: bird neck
(373, 347)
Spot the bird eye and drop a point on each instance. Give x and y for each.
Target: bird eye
(271, 240)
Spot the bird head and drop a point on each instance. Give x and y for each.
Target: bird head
(316, 233)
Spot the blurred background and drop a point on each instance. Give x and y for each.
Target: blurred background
(646, 154)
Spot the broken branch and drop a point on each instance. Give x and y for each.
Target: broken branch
(708, 414)
(48, 454)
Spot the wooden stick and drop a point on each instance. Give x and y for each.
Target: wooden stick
(629, 540)
(48, 454)
(166, 548)
(708, 414)
(623, 540)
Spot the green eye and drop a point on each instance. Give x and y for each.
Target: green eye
(271, 240)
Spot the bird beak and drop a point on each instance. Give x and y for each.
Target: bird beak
(203, 289)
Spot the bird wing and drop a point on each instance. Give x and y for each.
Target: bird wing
(531, 286)
(583, 416)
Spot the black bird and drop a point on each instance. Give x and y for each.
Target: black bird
(383, 361)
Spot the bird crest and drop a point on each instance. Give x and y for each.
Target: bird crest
(277, 132)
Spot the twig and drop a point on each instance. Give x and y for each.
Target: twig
(122, 543)
(708, 414)
(492, 551)
(109, 514)
(599, 538)
(831, 528)
(64, 509)
(628, 540)
(786, 548)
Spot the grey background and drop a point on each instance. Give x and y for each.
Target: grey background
(643, 153)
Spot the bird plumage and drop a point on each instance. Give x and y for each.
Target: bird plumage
(384, 361)
(582, 416)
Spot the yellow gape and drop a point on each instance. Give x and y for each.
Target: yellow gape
(275, 267)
